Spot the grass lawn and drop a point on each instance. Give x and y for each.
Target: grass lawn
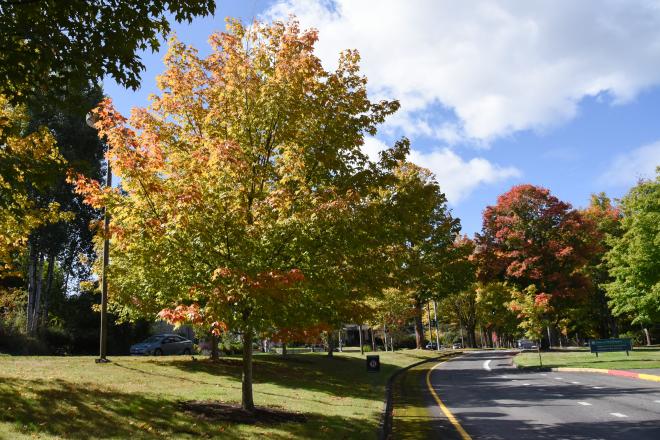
(411, 418)
(639, 358)
(138, 398)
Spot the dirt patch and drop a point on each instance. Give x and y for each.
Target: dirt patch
(218, 411)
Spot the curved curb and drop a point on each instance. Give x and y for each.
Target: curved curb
(619, 373)
(385, 423)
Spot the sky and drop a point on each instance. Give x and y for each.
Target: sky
(561, 94)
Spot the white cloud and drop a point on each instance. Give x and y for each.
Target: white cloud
(499, 66)
(457, 177)
(626, 169)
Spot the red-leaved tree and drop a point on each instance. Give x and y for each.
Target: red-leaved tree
(531, 238)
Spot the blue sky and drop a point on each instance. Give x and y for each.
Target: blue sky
(560, 94)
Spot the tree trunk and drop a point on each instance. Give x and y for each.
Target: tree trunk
(49, 286)
(331, 344)
(32, 265)
(373, 339)
(214, 347)
(472, 340)
(361, 346)
(37, 294)
(385, 336)
(460, 328)
(549, 338)
(283, 349)
(419, 328)
(648, 336)
(247, 400)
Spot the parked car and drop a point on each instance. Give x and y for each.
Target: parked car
(456, 345)
(526, 344)
(431, 346)
(164, 344)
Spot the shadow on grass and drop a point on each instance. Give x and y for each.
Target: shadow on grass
(337, 376)
(82, 411)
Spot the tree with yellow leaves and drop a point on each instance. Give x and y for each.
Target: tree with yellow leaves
(245, 198)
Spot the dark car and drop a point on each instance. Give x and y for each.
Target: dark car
(526, 344)
(159, 345)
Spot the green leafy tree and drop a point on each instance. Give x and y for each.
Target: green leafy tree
(634, 257)
(57, 45)
(27, 165)
(423, 233)
(494, 313)
(534, 312)
(607, 221)
(454, 285)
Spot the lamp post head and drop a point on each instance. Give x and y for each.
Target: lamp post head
(91, 119)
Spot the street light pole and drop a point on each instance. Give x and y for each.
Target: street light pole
(103, 339)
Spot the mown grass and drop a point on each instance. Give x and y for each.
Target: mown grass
(639, 358)
(411, 417)
(74, 398)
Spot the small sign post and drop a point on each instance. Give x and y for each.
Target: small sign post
(373, 363)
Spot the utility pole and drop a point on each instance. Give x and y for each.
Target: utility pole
(428, 316)
(437, 331)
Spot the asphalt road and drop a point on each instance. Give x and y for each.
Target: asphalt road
(491, 399)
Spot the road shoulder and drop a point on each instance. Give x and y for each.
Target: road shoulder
(415, 414)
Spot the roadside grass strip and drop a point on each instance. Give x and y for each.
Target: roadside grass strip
(411, 418)
(452, 419)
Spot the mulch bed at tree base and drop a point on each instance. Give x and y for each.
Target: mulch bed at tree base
(218, 411)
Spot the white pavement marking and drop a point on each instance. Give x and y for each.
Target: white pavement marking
(559, 378)
(657, 401)
(597, 388)
(618, 415)
(487, 365)
(584, 403)
(544, 374)
(527, 384)
(575, 383)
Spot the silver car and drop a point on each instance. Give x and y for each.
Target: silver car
(159, 345)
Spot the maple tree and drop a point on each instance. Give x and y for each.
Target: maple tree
(531, 238)
(634, 257)
(244, 193)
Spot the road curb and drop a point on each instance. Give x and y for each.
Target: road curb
(385, 423)
(619, 373)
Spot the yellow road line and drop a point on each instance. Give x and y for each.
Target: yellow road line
(443, 407)
(652, 377)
